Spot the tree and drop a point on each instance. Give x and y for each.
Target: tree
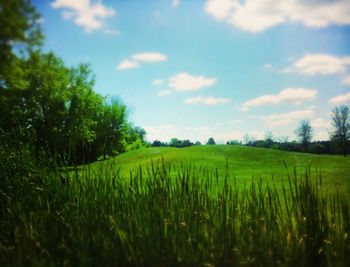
(112, 128)
(233, 142)
(304, 133)
(268, 139)
(211, 141)
(174, 142)
(249, 140)
(20, 30)
(341, 127)
(157, 143)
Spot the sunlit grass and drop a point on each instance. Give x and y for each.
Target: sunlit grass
(170, 213)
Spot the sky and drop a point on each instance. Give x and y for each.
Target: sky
(215, 68)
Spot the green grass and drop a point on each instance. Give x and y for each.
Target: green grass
(199, 206)
(243, 163)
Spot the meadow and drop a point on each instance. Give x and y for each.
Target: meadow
(198, 206)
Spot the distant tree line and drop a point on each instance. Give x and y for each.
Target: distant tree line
(338, 143)
(51, 107)
(174, 142)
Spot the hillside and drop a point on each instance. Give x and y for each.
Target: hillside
(243, 162)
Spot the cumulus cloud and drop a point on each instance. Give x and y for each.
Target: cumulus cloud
(284, 119)
(111, 32)
(320, 123)
(134, 61)
(149, 57)
(346, 80)
(162, 132)
(187, 82)
(206, 100)
(202, 133)
(236, 121)
(320, 64)
(322, 127)
(340, 99)
(158, 82)
(175, 3)
(127, 64)
(164, 92)
(288, 95)
(256, 16)
(85, 13)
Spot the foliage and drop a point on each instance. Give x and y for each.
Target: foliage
(304, 133)
(341, 127)
(66, 118)
(211, 141)
(54, 104)
(174, 142)
(19, 32)
(157, 143)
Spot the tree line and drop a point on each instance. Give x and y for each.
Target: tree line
(338, 142)
(50, 107)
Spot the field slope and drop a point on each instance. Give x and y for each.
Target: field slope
(243, 162)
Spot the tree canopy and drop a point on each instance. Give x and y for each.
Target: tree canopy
(50, 106)
(341, 127)
(304, 133)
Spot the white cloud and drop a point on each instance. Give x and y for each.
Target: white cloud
(284, 119)
(320, 123)
(236, 121)
(256, 16)
(158, 82)
(111, 32)
(134, 61)
(288, 95)
(164, 92)
(340, 99)
(175, 3)
(267, 66)
(162, 132)
(149, 57)
(320, 64)
(127, 64)
(84, 13)
(187, 82)
(206, 100)
(322, 128)
(346, 80)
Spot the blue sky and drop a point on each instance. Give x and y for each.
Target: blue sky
(217, 68)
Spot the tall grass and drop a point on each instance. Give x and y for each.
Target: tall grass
(165, 214)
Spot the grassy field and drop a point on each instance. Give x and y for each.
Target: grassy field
(199, 206)
(243, 163)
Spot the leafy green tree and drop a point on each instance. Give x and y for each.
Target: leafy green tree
(175, 142)
(48, 106)
(234, 142)
(39, 106)
(304, 133)
(341, 127)
(19, 31)
(211, 141)
(112, 128)
(157, 143)
(268, 139)
(186, 143)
